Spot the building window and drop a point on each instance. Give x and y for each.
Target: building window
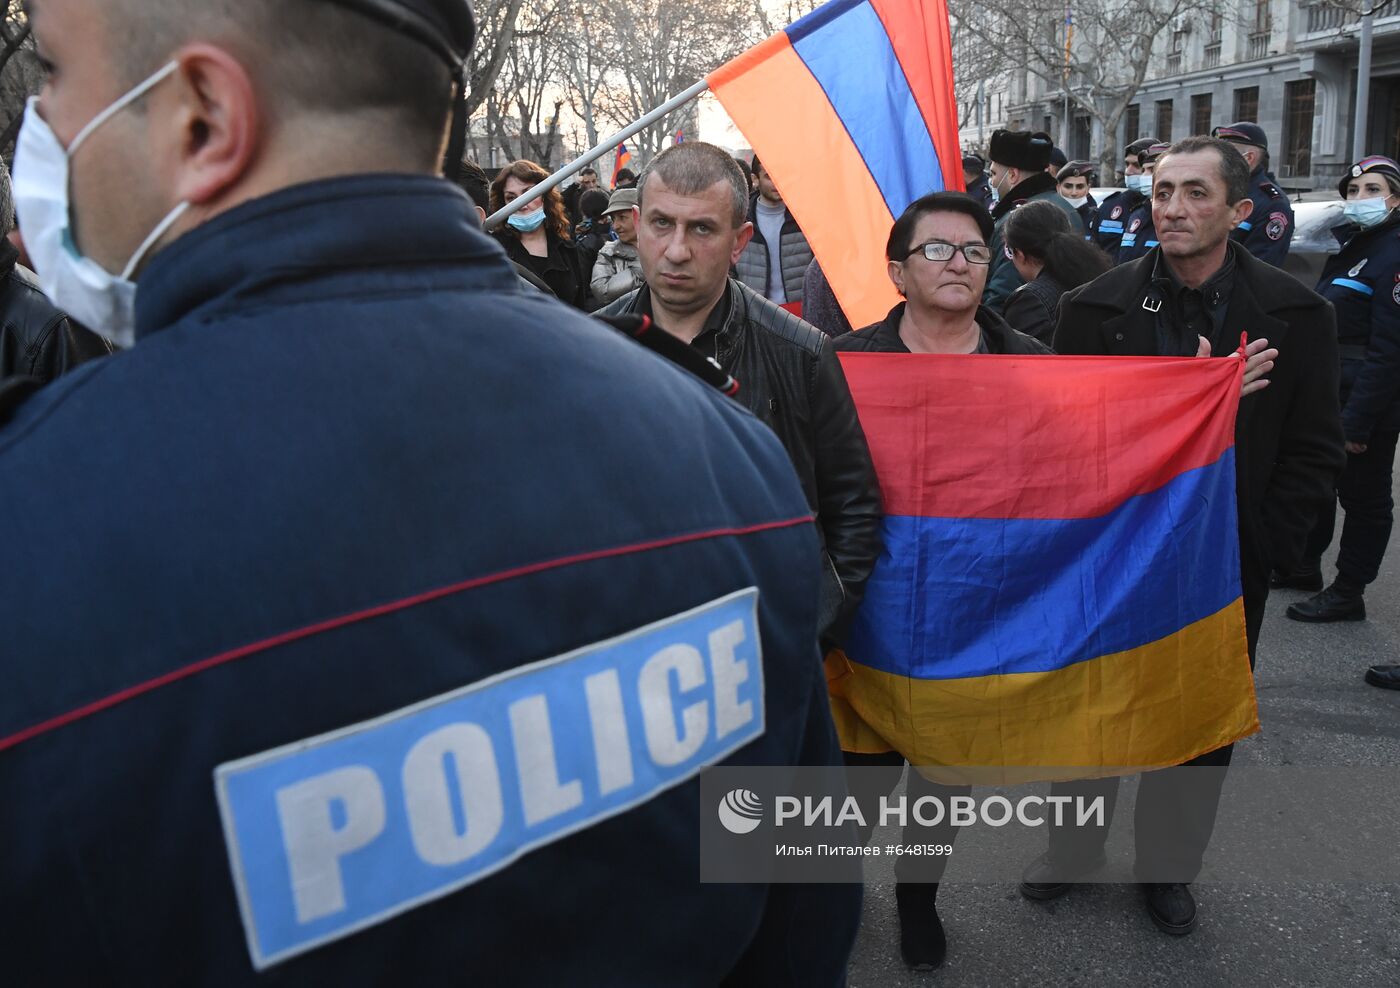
(1200, 114)
(1298, 102)
(1132, 124)
(1217, 32)
(1164, 120)
(1263, 27)
(1247, 105)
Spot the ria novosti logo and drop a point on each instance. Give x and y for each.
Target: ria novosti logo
(741, 811)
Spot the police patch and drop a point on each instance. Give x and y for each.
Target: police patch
(1117, 212)
(1395, 293)
(1278, 223)
(340, 832)
(1133, 226)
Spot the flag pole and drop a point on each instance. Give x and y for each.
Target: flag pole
(593, 154)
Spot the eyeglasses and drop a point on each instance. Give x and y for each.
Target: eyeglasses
(938, 250)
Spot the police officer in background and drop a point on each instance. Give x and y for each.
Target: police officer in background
(1362, 282)
(1139, 234)
(1108, 225)
(975, 180)
(1073, 182)
(369, 618)
(1268, 230)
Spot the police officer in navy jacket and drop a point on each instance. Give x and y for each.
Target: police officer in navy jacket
(370, 618)
(1108, 223)
(1139, 233)
(1268, 231)
(1362, 281)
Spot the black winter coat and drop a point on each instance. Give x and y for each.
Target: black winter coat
(36, 339)
(565, 273)
(1288, 438)
(1363, 284)
(1034, 307)
(790, 378)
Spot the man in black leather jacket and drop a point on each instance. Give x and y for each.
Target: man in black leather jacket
(36, 339)
(693, 203)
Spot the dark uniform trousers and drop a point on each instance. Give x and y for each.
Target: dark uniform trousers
(1365, 492)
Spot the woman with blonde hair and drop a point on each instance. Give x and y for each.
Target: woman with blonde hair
(537, 236)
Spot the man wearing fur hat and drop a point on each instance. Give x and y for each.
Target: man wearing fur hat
(1017, 176)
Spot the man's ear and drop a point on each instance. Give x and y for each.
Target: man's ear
(218, 123)
(1242, 210)
(742, 236)
(480, 214)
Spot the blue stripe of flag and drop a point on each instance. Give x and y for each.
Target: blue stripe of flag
(845, 47)
(1031, 595)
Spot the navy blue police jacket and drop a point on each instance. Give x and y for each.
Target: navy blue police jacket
(1268, 231)
(1362, 282)
(1107, 227)
(369, 621)
(1139, 234)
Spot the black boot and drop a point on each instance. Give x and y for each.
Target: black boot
(1303, 579)
(1172, 908)
(1342, 601)
(921, 939)
(1386, 677)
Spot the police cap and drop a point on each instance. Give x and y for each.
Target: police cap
(1026, 150)
(1242, 133)
(448, 27)
(1375, 164)
(1152, 152)
(973, 165)
(1136, 148)
(1076, 169)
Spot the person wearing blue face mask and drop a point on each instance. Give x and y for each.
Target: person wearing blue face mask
(1362, 281)
(1106, 229)
(537, 237)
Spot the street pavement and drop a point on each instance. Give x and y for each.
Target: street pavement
(1316, 711)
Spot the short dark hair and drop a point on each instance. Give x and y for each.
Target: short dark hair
(313, 58)
(899, 245)
(593, 202)
(1233, 168)
(626, 175)
(755, 166)
(587, 171)
(693, 167)
(474, 183)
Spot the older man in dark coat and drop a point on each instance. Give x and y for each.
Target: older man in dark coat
(1198, 290)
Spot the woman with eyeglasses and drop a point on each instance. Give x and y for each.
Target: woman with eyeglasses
(1362, 282)
(938, 256)
(1053, 258)
(938, 260)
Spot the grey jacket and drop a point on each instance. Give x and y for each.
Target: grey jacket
(793, 254)
(617, 271)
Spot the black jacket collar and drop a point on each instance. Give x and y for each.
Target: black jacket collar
(1038, 184)
(1259, 290)
(883, 336)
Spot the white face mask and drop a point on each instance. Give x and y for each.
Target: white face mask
(101, 301)
(1141, 184)
(1366, 213)
(1075, 202)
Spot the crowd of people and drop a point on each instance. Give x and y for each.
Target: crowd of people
(304, 460)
